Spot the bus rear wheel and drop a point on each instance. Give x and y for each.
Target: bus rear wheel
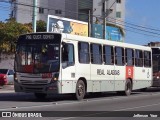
(40, 95)
(128, 88)
(80, 90)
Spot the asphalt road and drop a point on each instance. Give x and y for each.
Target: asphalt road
(105, 106)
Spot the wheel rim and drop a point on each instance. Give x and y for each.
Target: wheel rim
(80, 90)
(128, 87)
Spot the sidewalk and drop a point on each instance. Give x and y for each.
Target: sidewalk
(7, 89)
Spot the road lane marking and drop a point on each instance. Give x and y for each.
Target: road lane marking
(90, 115)
(77, 102)
(131, 108)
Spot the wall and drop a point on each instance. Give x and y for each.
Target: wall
(6, 61)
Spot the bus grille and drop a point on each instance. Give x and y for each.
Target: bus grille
(28, 89)
(34, 82)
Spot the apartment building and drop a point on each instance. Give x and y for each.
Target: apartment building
(22, 10)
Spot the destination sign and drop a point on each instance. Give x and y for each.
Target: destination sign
(39, 36)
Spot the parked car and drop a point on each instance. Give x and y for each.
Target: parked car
(6, 76)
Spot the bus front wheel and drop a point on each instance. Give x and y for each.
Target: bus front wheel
(80, 90)
(40, 95)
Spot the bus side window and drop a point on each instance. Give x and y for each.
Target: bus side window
(129, 54)
(147, 59)
(96, 53)
(119, 56)
(83, 52)
(67, 55)
(108, 55)
(139, 58)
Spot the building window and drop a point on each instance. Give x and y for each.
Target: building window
(118, 14)
(41, 10)
(58, 11)
(118, 1)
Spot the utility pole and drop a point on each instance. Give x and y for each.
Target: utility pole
(89, 23)
(104, 19)
(34, 15)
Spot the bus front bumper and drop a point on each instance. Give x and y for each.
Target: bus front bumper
(35, 88)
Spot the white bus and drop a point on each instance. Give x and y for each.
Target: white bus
(62, 63)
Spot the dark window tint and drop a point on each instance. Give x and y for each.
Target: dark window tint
(118, 1)
(58, 11)
(96, 54)
(156, 59)
(119, 56)
(41, 10)
(3, 71)
(108, 55)
(83, 52)
(118, 14)
(68, 55)
(147, 59)
(11, 72)
(129, 57)
(138, 58)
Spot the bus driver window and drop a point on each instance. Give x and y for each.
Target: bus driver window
(67, 55)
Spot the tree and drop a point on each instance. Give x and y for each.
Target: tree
(2, 26)
(41, 26)
(10, 32)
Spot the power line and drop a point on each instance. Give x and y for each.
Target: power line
(127, 24)
(87, 15)
(133, 27)
(136, 25)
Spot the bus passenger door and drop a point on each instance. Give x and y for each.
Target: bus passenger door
(68, 68)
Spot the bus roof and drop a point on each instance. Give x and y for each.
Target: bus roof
(102, 41)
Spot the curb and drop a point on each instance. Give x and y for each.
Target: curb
(7, 91)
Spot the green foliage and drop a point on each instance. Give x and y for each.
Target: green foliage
(2, 26)
(41, 26)
(9, 33)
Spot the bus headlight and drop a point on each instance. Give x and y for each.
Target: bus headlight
(15, 77)
(55, 77)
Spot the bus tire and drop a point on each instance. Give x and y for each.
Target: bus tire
(80, 90)
(40, 95)
(128, 87)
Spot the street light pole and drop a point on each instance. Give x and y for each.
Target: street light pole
(89, 23)
(104, 19)
(34, 15)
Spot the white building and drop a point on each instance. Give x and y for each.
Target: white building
(74, 9)
(115, 11)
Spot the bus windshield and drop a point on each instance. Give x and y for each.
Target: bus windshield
(37, 56)
(156, 59)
